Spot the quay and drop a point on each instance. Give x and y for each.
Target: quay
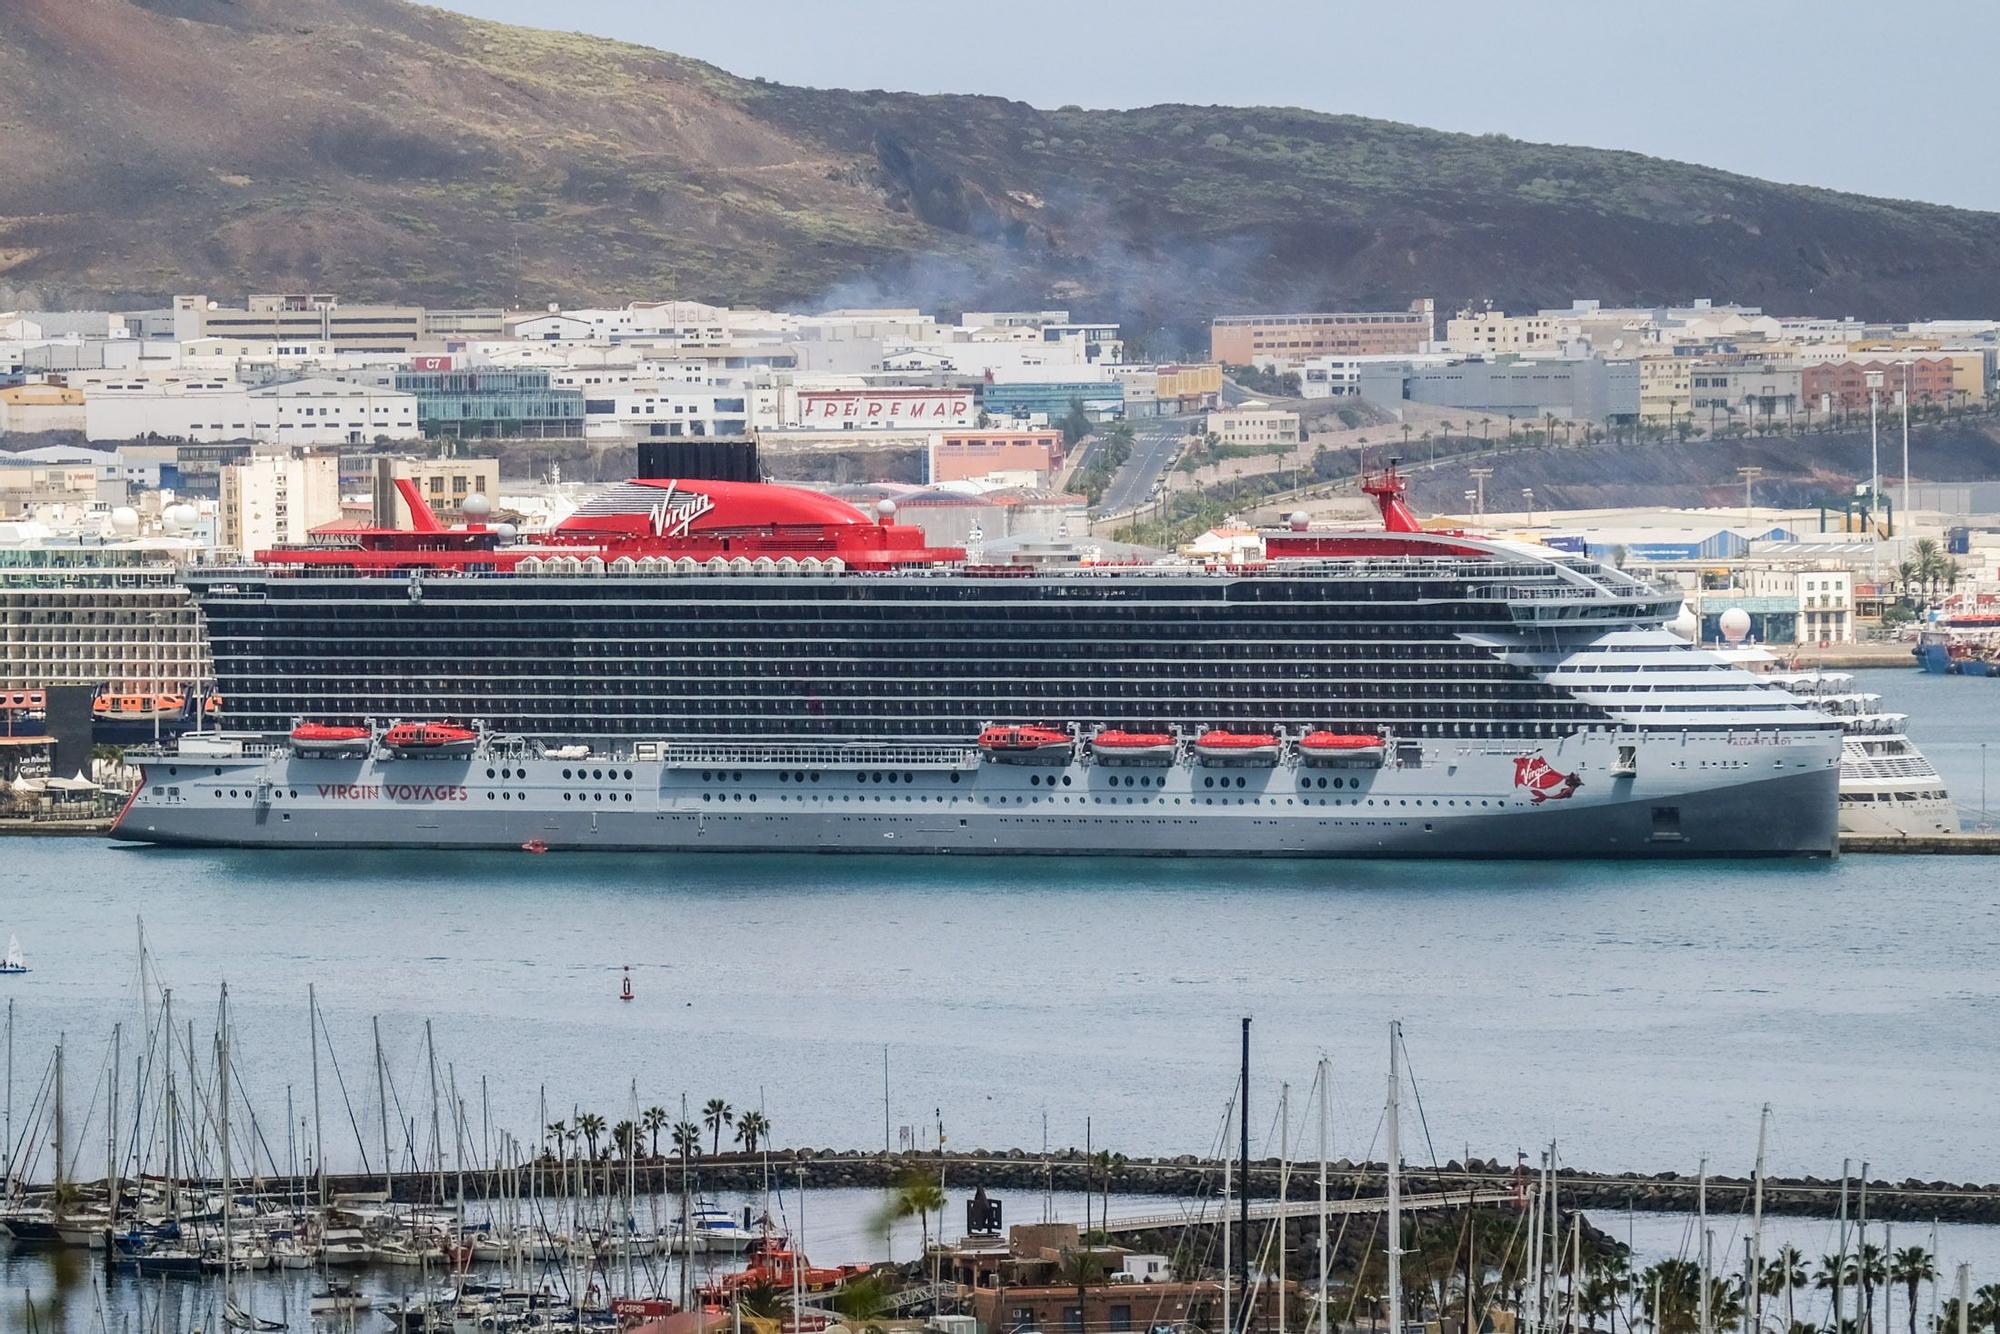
(1985, 844)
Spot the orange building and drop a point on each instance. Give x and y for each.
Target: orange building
(958, 456)
(1245, 340)
(1842, 386)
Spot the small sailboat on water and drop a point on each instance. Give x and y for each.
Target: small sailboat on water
(15, 961)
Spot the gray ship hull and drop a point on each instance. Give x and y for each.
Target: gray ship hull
(1603, 794)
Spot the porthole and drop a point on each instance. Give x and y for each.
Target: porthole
(628, 775)
(739, 775)
(566, 796)
(232, 791)
(1240, 782)
(566, 774)
(878, 776)
(1208, 782)
(1065, 780)
(597, 773)
(628, 796)
(784, 777)
(489, 796)
(1034, 780)
(706, 776)
(814, 775)
(954, 777)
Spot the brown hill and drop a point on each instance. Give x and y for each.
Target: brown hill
(380, 149)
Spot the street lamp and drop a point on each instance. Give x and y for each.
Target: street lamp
(1528, 495)
(1906, 440)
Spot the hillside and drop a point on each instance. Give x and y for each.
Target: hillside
(380, 149)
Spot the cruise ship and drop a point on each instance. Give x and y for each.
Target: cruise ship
(731, 665)
(1887, 785)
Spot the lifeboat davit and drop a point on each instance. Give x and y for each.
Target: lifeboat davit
(1112, 746)
(321, 739)
(1245, 750)
(1027, 745)
(1336, 748)
(430, 739)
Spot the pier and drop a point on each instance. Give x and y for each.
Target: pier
(1984, 844)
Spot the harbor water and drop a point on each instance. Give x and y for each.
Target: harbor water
(1638, 1012)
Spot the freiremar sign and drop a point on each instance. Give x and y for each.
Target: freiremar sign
(887, 407)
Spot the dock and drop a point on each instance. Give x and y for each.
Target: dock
(1949, 845)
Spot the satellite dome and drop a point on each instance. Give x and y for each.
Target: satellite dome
(125, 521)
(885, 510)
(1299, 520)
(1735, 624)
(183, 515)
(508, 532)
(1684, 623)
(476, 506)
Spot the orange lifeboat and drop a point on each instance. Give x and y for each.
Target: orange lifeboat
(1242, 750)
(163, 707)
(1027, 745)
(430, 739)
(19, 702)
(1112, 746)
(1342, 748)
(321, 739)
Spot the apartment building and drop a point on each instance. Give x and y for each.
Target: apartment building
(1285, 340)
(278, 496)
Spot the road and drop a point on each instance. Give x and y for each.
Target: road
(1155, 446)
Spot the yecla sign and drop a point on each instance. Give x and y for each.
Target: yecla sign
(887, 407)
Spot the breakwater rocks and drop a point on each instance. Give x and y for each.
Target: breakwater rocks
(1020, 1171)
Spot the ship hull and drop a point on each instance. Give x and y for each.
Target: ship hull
(1767, 795)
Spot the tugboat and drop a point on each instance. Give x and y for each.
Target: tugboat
(1027, 745)
(430, 739)
(1242, 750)
(1112, 746)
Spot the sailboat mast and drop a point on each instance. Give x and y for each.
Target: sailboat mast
(319, 1132)
(1325, 1087)
(228, 1191)
(1228, 1268)
(1754, 1276)
(10, 1097)
(1284, 1180)
(173, 1118)
(1537, 1198)
(1393, 1253)
(60, 1038)
(1707, 1243)
(687, 1222)
(111, 1125)
(1243, 1149)
(1840, 1267)
(382, 1097)
(437, 1138)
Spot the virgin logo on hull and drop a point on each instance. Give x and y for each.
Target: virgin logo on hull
(393, 791)
(1543, 781)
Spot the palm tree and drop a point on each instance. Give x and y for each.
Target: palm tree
(1911, 1266)
(717, 1115)
(654, 1119)
(1834, 1272)
(555, 1130)
(590, 1125)
(751, 1129)
(625, 1137)
(687, 1140)
(1870, 1272)
(1985, 1312)
(1678, 1283)
(1785, 1273)
(916, 1194)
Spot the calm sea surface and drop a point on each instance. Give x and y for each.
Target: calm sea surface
(1639, 1013)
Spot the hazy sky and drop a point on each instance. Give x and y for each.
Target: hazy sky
(1877, 98)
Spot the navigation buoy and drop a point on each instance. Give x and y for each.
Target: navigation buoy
(625, 990)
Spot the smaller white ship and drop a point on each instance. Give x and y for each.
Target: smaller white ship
(15, 961)
(1887, 785)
